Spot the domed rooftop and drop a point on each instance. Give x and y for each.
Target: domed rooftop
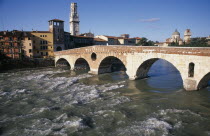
(176, 32)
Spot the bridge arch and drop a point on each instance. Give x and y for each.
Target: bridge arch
(62, 62)
(81, 63)
(204, 82)
(143, 69)
(111, 64)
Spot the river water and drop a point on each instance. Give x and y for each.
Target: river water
(58, 102)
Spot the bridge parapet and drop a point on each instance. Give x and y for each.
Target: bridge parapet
(198, 51)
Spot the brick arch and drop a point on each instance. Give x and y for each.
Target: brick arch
(203, 82)
(62, 61)
(82, 58)
(109, 57)
(146, 64)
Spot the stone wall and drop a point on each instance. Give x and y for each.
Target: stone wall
(10, 64)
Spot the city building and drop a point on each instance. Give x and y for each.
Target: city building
(43, 46)
(16, 44)
(27, 42)
(82, 41)
(99, 41)
(87, 34)
(123, 40)
(175, 38)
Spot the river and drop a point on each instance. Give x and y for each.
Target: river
(59, 102)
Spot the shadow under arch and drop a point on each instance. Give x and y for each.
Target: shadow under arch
(81, 64)
(62, 63)
(204, 82)
(164, 67)
(111, 64)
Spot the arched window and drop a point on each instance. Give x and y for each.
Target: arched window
(191, 70)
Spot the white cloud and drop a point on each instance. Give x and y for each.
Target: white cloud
(150, 20)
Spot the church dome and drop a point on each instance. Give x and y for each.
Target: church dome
(176, 32)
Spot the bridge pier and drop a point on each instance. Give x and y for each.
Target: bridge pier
(190, 84)
(93, 71)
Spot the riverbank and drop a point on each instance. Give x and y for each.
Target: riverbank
(10, 64)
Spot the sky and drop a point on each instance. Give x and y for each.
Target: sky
(154, 19)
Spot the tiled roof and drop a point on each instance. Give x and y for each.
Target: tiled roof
(15, 33)
(77, 36)
(58, 20)
(114, 37)
(41, 32)
(99, 40)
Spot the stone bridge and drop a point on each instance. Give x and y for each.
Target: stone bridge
(192, 63)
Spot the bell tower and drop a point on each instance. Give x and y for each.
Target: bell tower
(56, 27)
(187, 35)
(74, 20)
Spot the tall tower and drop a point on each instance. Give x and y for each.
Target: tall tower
(74, 20)
(56, 27)
(187, 35)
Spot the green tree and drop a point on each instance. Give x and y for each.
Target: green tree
(144, 42)
(173, 44)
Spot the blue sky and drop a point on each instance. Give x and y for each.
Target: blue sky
(154, 19)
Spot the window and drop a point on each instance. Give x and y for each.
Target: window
(42, 53)
(29, 38)
(46, 53)
(10, 38)
(11, 44)
(37, 51)
(191, 70)
(29, 44)
(34, 41)
(40, 42)
(41, 47)
(1, 38)
(45, 35)
(29, 50)
(40, 35)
